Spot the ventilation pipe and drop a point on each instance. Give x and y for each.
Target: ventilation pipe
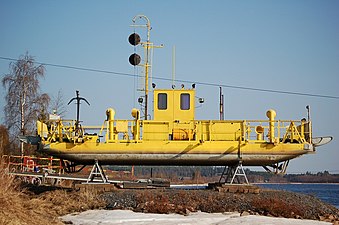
(271, 116)
(136, 128)
(259, 130)
(110, 113)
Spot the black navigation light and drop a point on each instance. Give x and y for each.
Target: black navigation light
(134, 59)
(134, 39)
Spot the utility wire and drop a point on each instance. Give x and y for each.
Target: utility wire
(75, 68)
(184, 81)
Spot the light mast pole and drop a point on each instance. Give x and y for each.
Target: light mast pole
(134, 39)
(146, 46)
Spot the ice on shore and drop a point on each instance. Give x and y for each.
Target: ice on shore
(124, 217)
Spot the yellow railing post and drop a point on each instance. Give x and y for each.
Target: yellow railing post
(310, 131)
(60, 130)
(302, 129)
(292, 130)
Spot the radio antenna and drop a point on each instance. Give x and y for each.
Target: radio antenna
(221, 104)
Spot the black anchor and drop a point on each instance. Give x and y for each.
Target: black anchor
(78, 99)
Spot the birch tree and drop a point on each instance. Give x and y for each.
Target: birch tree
(24, 103)
(57, 104)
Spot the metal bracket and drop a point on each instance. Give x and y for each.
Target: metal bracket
(70, 167)
(277, 168)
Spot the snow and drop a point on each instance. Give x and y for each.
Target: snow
(124, 217)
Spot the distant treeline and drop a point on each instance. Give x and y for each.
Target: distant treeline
(208, 173)
(308, 177)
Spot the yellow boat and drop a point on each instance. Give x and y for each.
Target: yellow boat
(174, 137)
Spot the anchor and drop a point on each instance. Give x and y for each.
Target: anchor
(78, 99)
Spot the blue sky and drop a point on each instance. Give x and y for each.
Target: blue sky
(281, 45)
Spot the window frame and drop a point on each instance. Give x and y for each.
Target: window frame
(185, 102)
(162, 101)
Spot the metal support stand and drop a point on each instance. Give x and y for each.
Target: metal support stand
(232, 173)
(278, 168)
(97, 171)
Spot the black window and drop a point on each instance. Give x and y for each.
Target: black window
(162, 101)
(185, 101)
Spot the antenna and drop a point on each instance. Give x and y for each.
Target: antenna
(78, 99)
(308, 108)
(221, 104)
(173, 65)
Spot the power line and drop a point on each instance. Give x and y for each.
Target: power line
(183, 81)
(75, 67)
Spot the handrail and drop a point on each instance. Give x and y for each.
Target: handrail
(197, 130)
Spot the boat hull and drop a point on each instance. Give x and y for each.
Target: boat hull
(175, 153)
(177, 160)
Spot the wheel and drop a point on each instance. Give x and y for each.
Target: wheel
(36, 181)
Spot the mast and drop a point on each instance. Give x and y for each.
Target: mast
(135, 59)
(173, 65)
(146, 46)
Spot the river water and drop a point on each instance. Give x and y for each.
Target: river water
(326, 192)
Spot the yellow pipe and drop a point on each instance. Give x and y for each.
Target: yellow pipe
(136, 114)
(271, 116)
(110, 113)
(259, 130)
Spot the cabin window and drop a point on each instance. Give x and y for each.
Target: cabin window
(162, 101)
(185, 101)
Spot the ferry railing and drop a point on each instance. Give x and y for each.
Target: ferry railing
(284, 131)
(116, 130)
(57, 130)
(219, 130)
(64, 131)
(196, 130)
(244, 130)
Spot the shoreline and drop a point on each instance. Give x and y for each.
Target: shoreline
(205, 184)
(276, 186)
(269, 202)
(54, 203)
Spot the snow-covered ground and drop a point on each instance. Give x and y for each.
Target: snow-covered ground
(127, 217)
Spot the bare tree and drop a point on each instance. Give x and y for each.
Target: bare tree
(24, 103)
(58, 105)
